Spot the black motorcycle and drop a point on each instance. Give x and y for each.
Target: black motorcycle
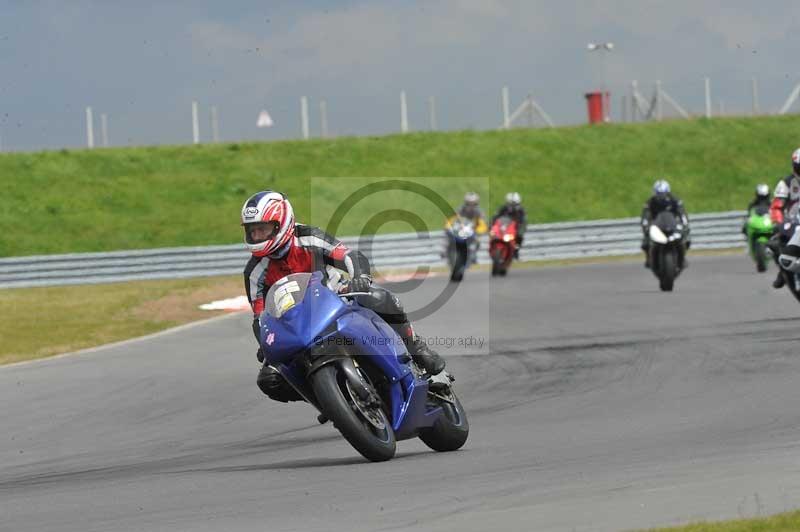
(667, 248)
(789, 254)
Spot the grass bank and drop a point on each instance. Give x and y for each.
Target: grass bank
(41, 322)
(124, 198)
(785, 522)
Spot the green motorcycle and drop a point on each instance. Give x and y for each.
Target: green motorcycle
(758, 230)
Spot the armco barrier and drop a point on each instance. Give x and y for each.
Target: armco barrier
(397, 251)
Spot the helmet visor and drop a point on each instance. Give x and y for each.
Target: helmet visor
(260, 232)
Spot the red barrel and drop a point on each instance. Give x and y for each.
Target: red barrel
(597, 103)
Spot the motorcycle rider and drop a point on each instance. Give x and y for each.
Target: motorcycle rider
(784, 207)
(760, 201)
(471, 210)
(513, 209)
(280, 247)
(663, 200)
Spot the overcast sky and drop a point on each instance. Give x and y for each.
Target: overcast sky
(143, 62)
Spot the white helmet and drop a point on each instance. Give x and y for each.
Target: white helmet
(762, 190)
(661, 187)
(268, 208)
(513, 198)
(472, 198)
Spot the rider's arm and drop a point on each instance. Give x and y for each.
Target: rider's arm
(681, 210)
(778, 202)
(523, 221)
(646, 215)
(255, 287)
(500, 212)
(334, 252)
(480, 225)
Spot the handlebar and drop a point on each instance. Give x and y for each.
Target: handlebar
(353, 294)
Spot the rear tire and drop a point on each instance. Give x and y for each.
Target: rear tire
(668, 270)
(450, 431)
(761, 257)
(337, 404)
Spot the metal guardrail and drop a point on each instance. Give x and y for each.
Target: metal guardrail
(396, 251)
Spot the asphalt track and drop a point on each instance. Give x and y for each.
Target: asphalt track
(601, 404)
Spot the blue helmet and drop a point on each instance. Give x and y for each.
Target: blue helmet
(661, 187)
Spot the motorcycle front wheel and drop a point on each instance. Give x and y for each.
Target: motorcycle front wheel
(668, 270)
(364, 425)
(760, 255)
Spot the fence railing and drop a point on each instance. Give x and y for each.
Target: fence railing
(396, 251)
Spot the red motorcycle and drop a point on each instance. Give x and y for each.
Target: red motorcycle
(502, 244)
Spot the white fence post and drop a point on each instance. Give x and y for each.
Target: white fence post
(104, 129)
(89, 128)
(754, 87)
(623, 108)
(659, 110)
(790, 100)
(304, 116)
(195, 125)
(403, 112)
(323, 119)
(214, 124)
(506, 117)
(432, 112)
(708, 97)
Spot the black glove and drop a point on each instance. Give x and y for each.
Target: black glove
(361, 283)
(260, 355)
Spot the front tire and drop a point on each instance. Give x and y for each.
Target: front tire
(790, 283)
(338, 404)
(459, 263)
(451, 430)
(668, 270)
(760, 253)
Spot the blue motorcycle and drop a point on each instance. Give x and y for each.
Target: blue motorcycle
(460, 246)
(346, 361)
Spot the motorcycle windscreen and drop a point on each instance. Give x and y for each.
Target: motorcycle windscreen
(666, 221)
(298, 308)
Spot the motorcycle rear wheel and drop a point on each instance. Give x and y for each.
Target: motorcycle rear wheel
(451, 430)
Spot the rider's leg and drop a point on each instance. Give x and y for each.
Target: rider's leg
(388, 307)
(272, 383)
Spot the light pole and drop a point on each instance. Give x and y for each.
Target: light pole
(603, 48)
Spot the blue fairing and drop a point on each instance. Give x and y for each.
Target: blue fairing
(321, 318)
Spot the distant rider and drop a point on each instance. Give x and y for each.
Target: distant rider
(280, 247)
(783, 209)
(471, 210)
(514, 210)
(663, 200)
(760, 202)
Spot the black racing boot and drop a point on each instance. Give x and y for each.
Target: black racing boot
(427, 358)
(779, 281)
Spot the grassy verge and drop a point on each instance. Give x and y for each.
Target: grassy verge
(68, 201)
(778, 523)
(40, 322)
